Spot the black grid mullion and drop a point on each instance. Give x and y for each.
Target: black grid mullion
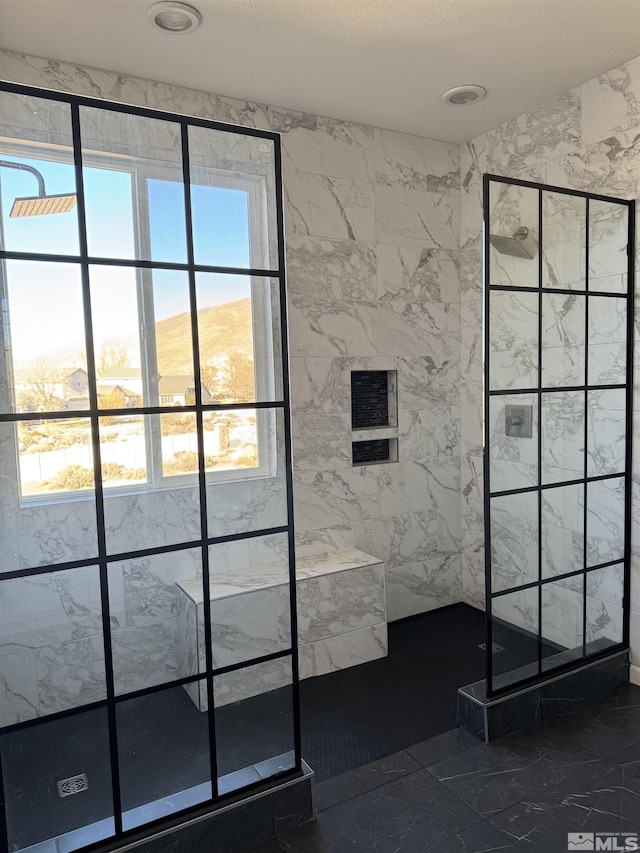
(293, 598)
(539, 436)
(486, 467)
(138, 263)
(97, 471)
(83, 260)
(585, 520)
(202, 475)
(585, 390)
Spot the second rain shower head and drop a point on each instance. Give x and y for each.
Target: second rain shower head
(520, 245)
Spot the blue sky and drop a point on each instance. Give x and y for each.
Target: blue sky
(45, 300)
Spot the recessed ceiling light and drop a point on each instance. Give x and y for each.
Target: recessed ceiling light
(462, 96)
(174, 17)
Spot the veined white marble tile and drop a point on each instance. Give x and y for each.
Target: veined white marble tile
(414, 162)
(18, 688)
(417, 275)
(605, 521)
(511, 207)
(607, 585)
(472, 530)
(473, 165)
(66, 77)
(405, 487)
(562, 616)
(307, 660)
(149, 519)
(332, 296)
(325, 146)
(321, 441)
(144, 655)
(70, 674)
(471, 431)
(412, 218)
(604, 621)
(248, 504)
(563, 339)
(428, 433)
(473, 584)
(607, 430)
(177, 99)
(243, 627)
(518, 608)
(250, 681)
(471, 481)
(335, 604)
(425, 381)
(399, 540)
(41, 610)
(336, 208)
(324, 384)
(143, 590)
(417, 328)
(513, 323)
(610, 167)
(552, 129)
(607, 340)
(422, 586)
(563, 245)
(471, 373)
(335, 498)
(471, 269)
(356, 647)
(514, 540)
(310, 543)
(52, 533)
(563, 417)
(449, 530)
(444, 481)
(270, 550)
(611, 102)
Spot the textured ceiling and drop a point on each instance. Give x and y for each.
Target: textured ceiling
(380, 62)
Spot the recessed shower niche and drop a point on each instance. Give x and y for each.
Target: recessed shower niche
(374, 416)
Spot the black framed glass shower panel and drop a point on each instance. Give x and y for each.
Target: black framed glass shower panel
(144, 246)
(558, 359)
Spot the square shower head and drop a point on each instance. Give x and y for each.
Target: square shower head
(43, 205)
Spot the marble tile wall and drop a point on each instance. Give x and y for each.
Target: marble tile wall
(372, 240)
(384, 260)
(584, 139)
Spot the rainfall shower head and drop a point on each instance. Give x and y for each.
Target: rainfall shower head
(41, 204)
(520, 245)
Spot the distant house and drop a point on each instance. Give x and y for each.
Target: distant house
(126, 377)
(180, 391)
(117, 397)
(45, 387)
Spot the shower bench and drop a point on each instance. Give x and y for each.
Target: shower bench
(342, 622)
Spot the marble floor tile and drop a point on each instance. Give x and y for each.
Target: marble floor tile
(492, 778)
(363, 779)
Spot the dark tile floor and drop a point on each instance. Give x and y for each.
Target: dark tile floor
(577, 773)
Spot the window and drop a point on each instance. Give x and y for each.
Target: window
(141, 295)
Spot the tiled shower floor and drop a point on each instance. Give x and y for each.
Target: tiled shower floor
(349, 718)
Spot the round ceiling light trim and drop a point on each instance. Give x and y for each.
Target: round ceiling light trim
(177, 18)
(464, 96)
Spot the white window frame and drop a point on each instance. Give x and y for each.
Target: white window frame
(265, 380)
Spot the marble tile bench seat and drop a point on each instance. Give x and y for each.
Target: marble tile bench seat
(342, 622)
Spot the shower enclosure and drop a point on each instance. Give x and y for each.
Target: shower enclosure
(558, 401)
(147, 595)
